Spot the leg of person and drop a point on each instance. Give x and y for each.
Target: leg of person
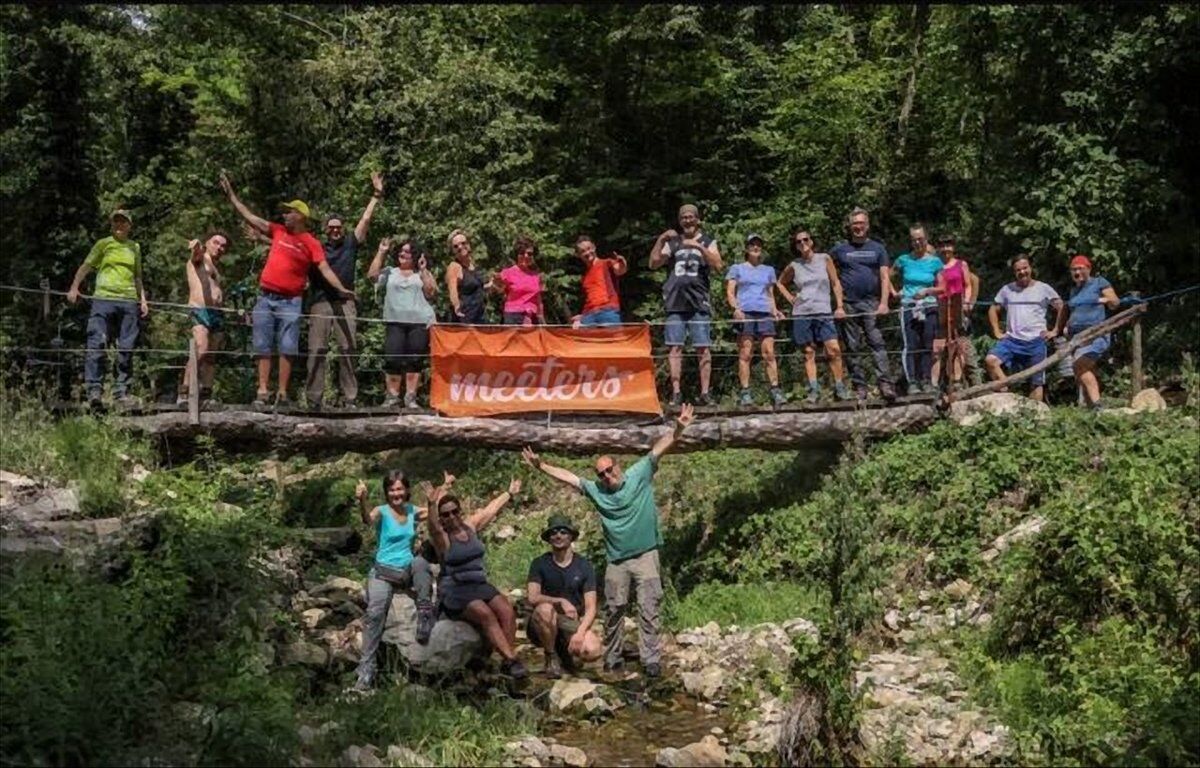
(507, 618)
(201, 341)
(98, 332)
(745, 348)
(700, 331)
(1037, 382)
(1001, 357)
(855, 340)
(208, 364)
(422, 578)
(379, 601)
(263, 341)
(129, 319)
(674, 334)
(883, 369)
(908, 346)
(1085, 374)
(928, 334)
(417, 347)
(345, 329)
(289, 341)
(482, 616)
(802, 337)
(648, 580)
(544, 622)
(514, 318)
(767, 346)
(320, 326)
(826, 333)
(616, 599)
(936, 367)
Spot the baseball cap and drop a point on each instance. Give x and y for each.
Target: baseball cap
(300, 207)
(750, 238)
(124, 214)
(1079, 260)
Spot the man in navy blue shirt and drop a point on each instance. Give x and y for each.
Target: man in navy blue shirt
(864, 269)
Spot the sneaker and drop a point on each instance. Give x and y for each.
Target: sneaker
(887, 391)
(350, 405)
(181, 398)
(860, 391)
(618, 667)
(95, 401)
(676, 400)
(915, 388)
(426, 618)
(745, 398)
(841, 393)
(391, 401)
(515, 669)
(261, 399)
(361, 687)
(282, 401)
(410, 400)
(654, 669)
(705, 399)
(777, 397)
(813, 396)
(553, 669)
(315, 405)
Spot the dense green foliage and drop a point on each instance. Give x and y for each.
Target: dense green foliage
(1045, 128)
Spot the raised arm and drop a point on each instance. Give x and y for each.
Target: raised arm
(377, 262)
(438, 535)
(360, 229)
(369, 514)
(564, 476)
(619, 265)
(428, 283)
(657, 258)
(664, 443)
(483, 517)
(262, 225)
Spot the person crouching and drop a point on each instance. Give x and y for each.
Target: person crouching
(562, 593)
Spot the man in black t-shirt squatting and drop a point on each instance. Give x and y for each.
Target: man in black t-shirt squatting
(562, 593)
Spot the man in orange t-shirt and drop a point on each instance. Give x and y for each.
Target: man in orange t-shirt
(601, 303)
(276, 314)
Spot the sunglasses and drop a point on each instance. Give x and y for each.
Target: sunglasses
(803, 239)
(448, 512)
(607, 471)
(560, 531)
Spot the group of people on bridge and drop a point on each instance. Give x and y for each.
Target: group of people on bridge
(562, 586)
(836, 297)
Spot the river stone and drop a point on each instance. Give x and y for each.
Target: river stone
(701, 754)
(529, 747)
(338, 589)
(957, 589)
(451, 644)
(968, 413)
(565, 693)
(366, 756)
(1148, 401)
(304, 653)
(403, 756)
(706, 684)
(569, 756)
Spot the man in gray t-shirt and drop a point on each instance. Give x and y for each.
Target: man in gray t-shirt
(1023, 342)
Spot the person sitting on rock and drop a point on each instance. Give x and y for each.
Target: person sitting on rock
(562, 593)
(463, 587)
(629, 519)
(395, 567)
(1088, 299)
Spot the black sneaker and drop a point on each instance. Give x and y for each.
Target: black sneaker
(95, 401)
(553, 669)
(704, 399)
(617, 667)
(282, 401)
(653, 669)
(887, 391)
(515, 669)
(315, 405)
(426, 618)
(350, 405)
(860, 392)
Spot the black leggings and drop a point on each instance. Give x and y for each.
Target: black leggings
(405, 347)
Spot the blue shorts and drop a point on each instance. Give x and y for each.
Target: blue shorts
(601, 317)
(1094, 349)
(758, 325)
(212, 319)
(1017, 355)
(681, 325)
(276, 323)
(813, 329)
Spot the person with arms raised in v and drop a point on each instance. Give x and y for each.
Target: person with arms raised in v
(629, 520)
(276, 315)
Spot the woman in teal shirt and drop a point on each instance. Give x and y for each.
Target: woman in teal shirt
(395, 567)
(918, 271)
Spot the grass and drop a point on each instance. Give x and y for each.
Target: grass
(746, 604)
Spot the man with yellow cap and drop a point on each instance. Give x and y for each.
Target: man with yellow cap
(276, 315)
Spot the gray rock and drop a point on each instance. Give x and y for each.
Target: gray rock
(1148, 400)
(338, 589)
(366, 756)
(328, 542)
(566, 693)
(967, 413)
(701, 754)
(957, 589)
(403, 756)
(531, 747)
(891, 620)
(451, 644)
(569, 756)
(304, 653)
(708, 683)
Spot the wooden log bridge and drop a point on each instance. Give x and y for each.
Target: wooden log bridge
(791, 427)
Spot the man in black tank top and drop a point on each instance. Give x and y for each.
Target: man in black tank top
(691, 256)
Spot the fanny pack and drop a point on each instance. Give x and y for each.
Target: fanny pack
(401, 577)
(469, 577)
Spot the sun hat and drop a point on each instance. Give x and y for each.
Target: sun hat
(560, 521)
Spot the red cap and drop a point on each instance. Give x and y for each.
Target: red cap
(1079, 260)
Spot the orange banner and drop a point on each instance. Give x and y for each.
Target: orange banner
(487, 370)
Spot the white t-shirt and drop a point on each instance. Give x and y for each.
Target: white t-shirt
(1025, 309)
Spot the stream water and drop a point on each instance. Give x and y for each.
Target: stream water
(633, 736)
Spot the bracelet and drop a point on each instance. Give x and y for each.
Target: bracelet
(377, 195)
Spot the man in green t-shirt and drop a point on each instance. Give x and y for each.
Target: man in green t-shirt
(118, 304)
(629, 519)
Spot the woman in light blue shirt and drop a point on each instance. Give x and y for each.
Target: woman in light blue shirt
(918, 271)
(750, 291)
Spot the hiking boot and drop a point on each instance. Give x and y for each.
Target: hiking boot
(391, 401)
(653, 669)
(915, 388)
(841, 393)
(95, 401)
(745, 398)
(705, 399)
(887, 391)
(514, 668)
(261, 399)
(315, 405)
(426, 618)
(361, 687)
(813, 396)
(282, 401)
(676, 400)
(616, 668)
(553, 669)
(777, 397)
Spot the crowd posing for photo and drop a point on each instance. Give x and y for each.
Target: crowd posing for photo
(837, 297)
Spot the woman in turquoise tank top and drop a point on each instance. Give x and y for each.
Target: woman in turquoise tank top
(395, 567)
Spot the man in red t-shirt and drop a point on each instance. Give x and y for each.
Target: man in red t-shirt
(601, 303)
(276, 315)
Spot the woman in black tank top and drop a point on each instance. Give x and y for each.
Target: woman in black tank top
(463, 283)
(463, 588)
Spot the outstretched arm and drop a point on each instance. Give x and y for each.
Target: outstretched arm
(441, 541)
(369, 514)
(664, 443)
(360, 229)
(332, 278)
(486, 515)
(565, 476)
(262, 225)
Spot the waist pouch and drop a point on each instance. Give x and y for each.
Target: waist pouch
(469, 577)
(401, 577)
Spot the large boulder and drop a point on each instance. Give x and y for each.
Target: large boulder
(701, 754)
(1148, 401)
(970, 412)
(451, 645)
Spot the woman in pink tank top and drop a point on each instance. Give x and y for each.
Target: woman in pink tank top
(953, 289)
(521, 285)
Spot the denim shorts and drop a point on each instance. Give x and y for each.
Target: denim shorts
(1094, 349)
(1017, 355)
(681, 325)
(601, 317)
(276, 323)
(813, 329)
(758, 325)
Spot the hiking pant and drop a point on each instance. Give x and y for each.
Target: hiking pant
(918, 327)
(108, 319)
(379, 601)
(338, 318)
(642, 572)
(863, 331)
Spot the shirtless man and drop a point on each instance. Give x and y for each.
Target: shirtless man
(205, 298)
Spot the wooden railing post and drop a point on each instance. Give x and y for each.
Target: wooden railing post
(193, 382)
(1139, 379)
